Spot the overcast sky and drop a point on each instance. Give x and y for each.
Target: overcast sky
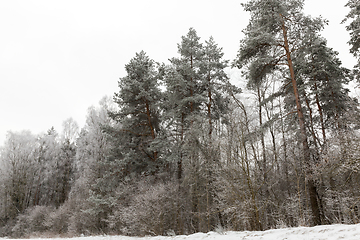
(57, 58)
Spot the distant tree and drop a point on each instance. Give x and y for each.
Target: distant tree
(18, 168)
(93, 144)
(56, 158)
(65, 171)
(70, 130)
(48, 156)
(95, 181)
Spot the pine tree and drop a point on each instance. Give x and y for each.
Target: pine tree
(184, 93)
(139, 116)
(184, 101)
(271, 38)
(216, 82)
(216, 87)
(323, 81)
(354, 29)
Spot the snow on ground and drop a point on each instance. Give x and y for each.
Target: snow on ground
(325, 232)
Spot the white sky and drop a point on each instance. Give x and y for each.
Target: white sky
(57, 58)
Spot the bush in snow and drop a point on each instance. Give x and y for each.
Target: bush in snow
(151, 210)
(33, 220)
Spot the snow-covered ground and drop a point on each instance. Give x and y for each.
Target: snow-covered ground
(330, 232)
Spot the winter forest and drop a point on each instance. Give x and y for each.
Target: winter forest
(180, 149)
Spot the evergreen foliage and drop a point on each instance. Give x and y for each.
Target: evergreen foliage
(354, 26)
(138, 100)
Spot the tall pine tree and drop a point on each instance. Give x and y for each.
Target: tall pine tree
(139, 116)
(275, 32)
(184, 93)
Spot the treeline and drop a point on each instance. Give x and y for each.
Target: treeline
(179, 149)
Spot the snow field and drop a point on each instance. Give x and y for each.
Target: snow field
(325, 232)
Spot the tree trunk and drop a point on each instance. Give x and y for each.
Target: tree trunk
(306, 150)
(320, 113)
(152, 129)
(264, 162)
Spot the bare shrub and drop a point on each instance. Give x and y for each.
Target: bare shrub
(151, 210)
(57, 220)
(33, 220)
